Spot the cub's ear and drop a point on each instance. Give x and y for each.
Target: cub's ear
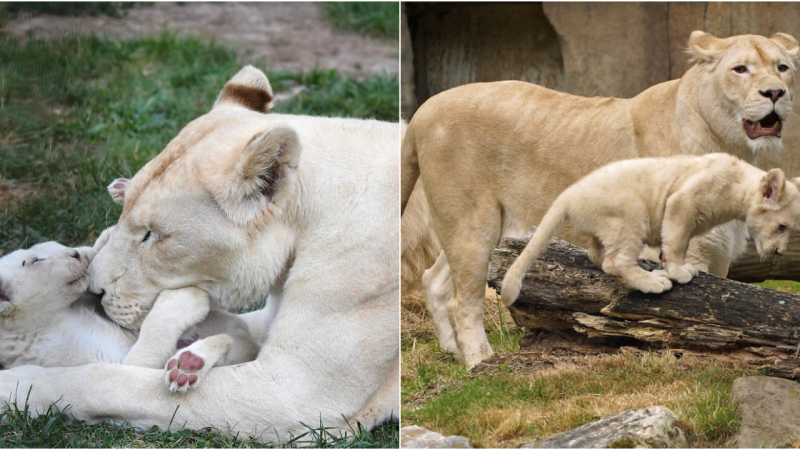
(103, 239)
(247, 89)
(5, 302)
(772, 186)
(262, 177)
(796, 182)
(704, 48)
(117, 190)
(788, 43)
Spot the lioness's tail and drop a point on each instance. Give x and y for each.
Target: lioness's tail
(409, 167)
(548, 227)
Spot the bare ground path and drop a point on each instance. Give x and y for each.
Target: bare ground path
(289, 36)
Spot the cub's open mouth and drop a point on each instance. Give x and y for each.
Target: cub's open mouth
(770, 125)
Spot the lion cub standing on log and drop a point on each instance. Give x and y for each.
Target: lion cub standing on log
(665, 201)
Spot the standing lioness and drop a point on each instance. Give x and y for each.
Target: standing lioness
(494, 156)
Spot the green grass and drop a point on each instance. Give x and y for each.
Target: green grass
(56, 429)
(380, 19)
(77, 112)
(791, 287)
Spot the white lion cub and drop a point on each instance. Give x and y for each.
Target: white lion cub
(664, 202)
(44, 321)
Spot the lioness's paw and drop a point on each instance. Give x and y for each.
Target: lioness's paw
(184, 371)
(187, 368)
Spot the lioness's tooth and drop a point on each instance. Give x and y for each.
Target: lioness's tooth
(759, 127)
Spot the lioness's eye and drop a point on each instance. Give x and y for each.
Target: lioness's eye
(782, 67)
(781, 227)
(146, 236)
(740, 69)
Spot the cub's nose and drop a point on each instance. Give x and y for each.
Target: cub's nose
(76, 255)
(773, 94)
(778, 252)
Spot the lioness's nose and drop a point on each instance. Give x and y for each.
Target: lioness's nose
(76, 255)
(773, 94)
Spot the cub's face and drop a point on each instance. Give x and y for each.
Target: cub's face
(37, 283)
(774, 214)
(752, 78)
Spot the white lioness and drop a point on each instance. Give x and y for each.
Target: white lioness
(664, 202)
(494, 156)
(44, 321)
(244, 204)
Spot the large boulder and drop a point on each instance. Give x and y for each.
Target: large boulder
(418, 437)
(652, 427)
(770, 411)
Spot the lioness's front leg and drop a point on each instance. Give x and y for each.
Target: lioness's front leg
(173, 313)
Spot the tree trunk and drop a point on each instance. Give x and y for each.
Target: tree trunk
(564, 290)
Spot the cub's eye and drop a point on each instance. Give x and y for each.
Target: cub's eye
(147, 236)
(782, 67)
(33, 261)
(781, 228)
(740, 69)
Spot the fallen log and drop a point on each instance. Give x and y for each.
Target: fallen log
(750, 268)
(563, 290)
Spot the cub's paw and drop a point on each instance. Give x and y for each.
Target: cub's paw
(184, 371)
(652, 283)
(683, 274)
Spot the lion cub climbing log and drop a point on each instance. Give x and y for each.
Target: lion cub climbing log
(665, 201)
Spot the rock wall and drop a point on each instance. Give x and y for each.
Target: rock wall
(606, 49)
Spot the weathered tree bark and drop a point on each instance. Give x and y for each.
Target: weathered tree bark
(749, 267)
(564, 290)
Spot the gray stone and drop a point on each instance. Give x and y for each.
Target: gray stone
(652, 427)
(418, 437)
(770, 411)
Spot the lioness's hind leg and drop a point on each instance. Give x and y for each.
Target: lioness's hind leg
(187, 368)
(438, 285)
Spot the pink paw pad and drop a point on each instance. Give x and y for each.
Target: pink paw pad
(190, 361)
(187, 361)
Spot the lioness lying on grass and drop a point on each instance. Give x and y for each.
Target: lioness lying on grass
(665, 202)
(45, 320)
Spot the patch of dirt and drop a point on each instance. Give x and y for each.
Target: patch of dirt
(291, 36)
(11, 193)
(541, 350)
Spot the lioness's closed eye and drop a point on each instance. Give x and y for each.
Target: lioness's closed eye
(684, 196)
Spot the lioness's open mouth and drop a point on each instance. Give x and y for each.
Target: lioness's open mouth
(770, 125)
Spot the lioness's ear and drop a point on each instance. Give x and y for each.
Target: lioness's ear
(772, 185)
(788, 43)
(117, 190)
(704, 47)
(264, 173)
(247, 89)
